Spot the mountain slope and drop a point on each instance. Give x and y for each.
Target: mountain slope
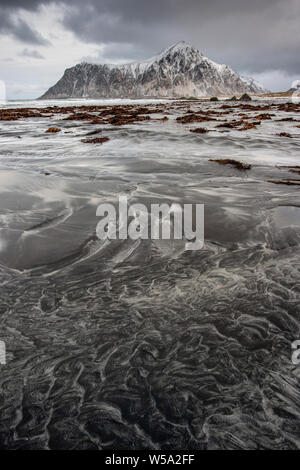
(295, 86)
(180, 70)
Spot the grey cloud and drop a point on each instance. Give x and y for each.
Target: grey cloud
(22, 31)
(28, 5)
(31, 53)
(114, 52)
(255, 36)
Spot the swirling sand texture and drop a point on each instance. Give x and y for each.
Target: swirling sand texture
(141, 344)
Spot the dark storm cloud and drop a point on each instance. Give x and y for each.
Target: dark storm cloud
(255, 36)
(14, 25)
(22, 31)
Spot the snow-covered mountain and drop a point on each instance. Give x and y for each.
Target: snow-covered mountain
(180, 70)
(254, 84)
(295, 86)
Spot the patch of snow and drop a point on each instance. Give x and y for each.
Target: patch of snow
(253, 83)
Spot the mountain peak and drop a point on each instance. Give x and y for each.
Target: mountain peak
(180, 46)
(179, 70)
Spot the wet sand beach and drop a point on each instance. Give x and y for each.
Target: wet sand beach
(140, 344)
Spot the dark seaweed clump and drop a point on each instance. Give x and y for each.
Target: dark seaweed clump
(238, 165)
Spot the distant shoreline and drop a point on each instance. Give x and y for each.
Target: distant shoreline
(283, 94)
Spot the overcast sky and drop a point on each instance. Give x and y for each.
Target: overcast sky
(39, 39)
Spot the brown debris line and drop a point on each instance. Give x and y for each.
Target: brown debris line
(84, 117)
(288, 182)
(14, 114)
(250, 125)
(128, 113)
(284, 134)
(276, 94)
(120, 120)
(53, 130)
(227, 161)
(96, 131)
(96, 140)
(287, 166)
(115, 115)
(120, 115)
(293, 170)
(211, 111)
(264, 116)
(199, 130)
(231, 124)
(252, 107)
(194, 117)
(80, 117)
(289, 119)
(289, 107)
(286, 107)
(227, 106)
(105, 110)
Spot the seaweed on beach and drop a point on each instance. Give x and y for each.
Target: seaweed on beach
(96, 131)
(52, 130)
(231, 124)
(227, 161)
(96, 140)
(250, 125)
(288, 182)
(199, 130)
(194, 117)
(284, 134)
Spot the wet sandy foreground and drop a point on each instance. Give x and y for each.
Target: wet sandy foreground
(141, 344)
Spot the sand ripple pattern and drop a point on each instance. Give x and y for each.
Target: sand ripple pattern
(142, 345)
